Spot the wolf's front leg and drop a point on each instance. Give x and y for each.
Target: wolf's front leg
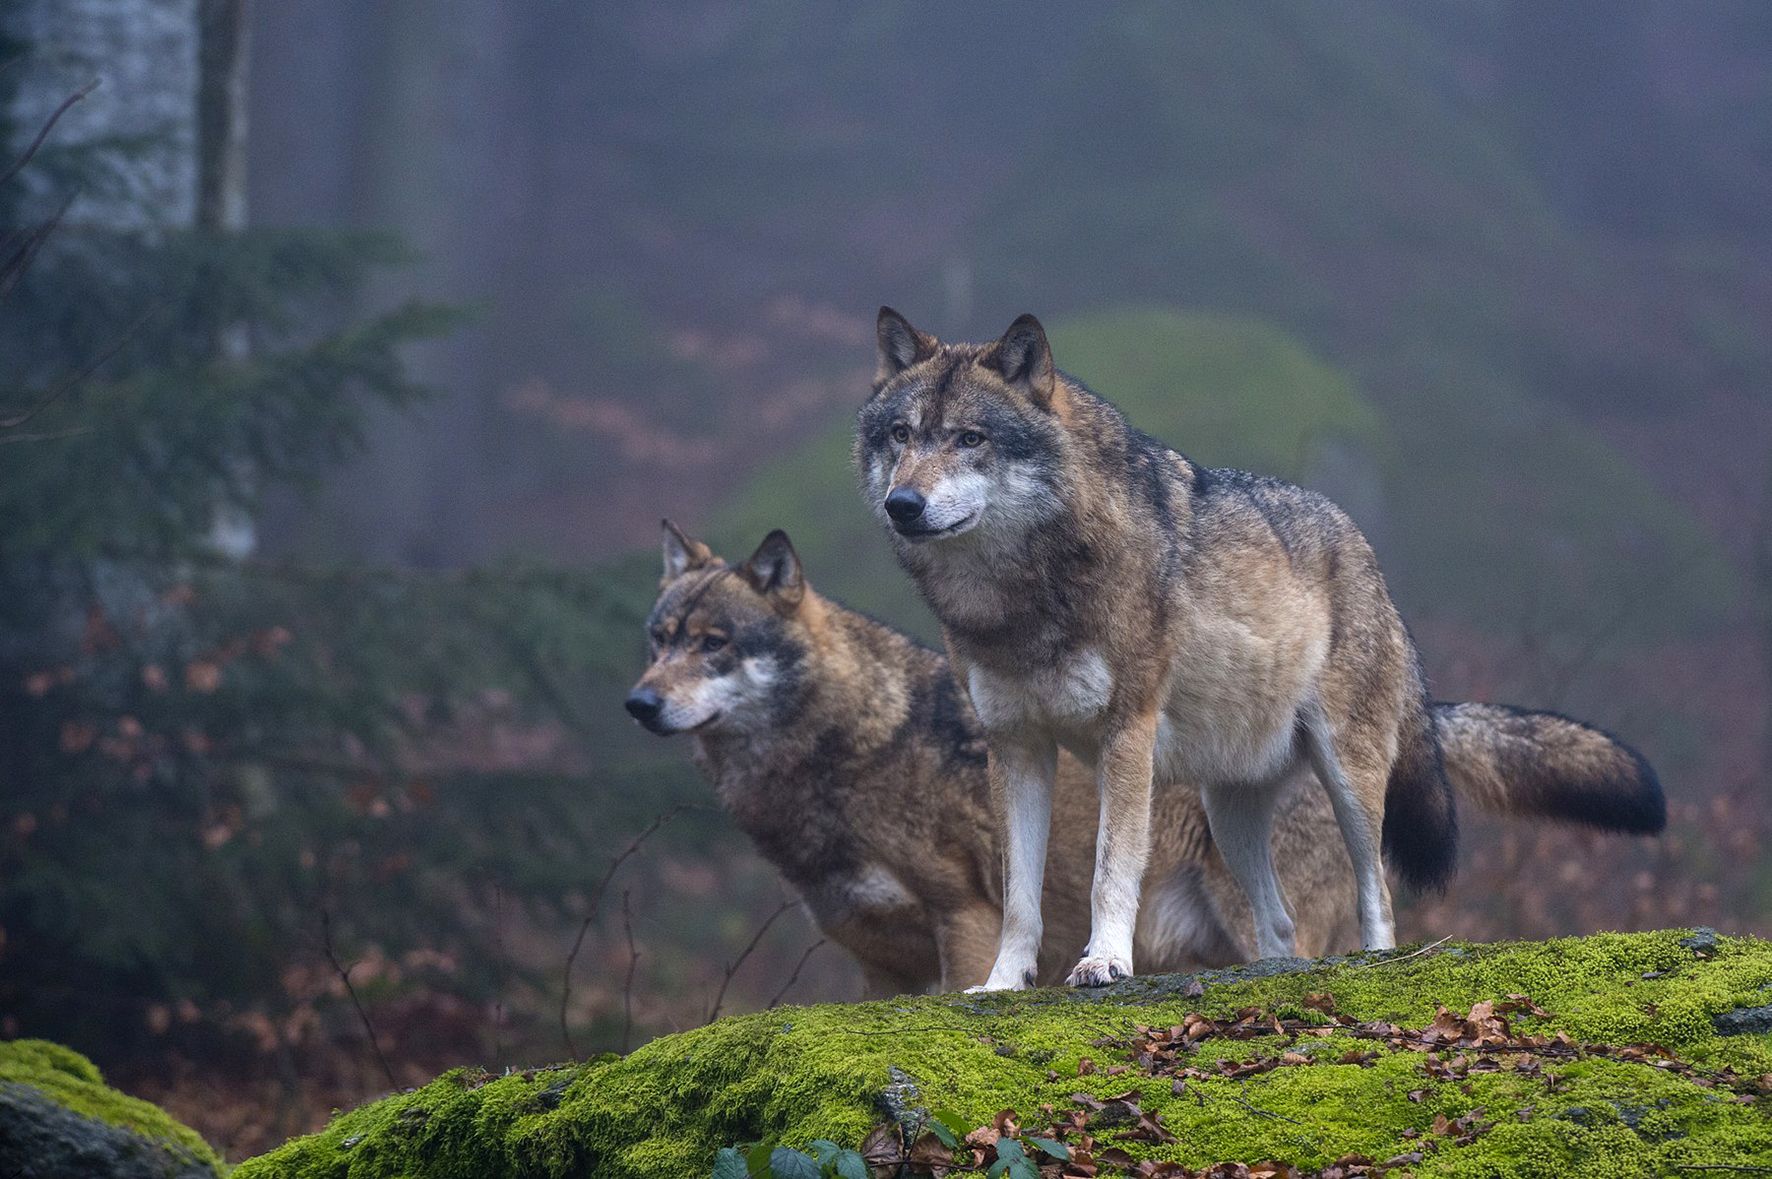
(1021, 772)
(1122, 848)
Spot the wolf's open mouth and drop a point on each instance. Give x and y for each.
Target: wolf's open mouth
(922, 534)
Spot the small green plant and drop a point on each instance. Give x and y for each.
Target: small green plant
(941, 1145)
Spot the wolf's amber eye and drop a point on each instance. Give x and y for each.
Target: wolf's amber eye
(712, 643)
(901, 433)
(971, 438)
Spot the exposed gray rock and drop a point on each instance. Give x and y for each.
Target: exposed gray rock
(40, 1139)
(1743, 1021)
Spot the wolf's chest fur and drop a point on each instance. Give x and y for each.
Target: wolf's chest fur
(1228, 713)
(1067, 698)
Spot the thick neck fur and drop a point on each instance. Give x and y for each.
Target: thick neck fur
(832, 745)
(1115, 508)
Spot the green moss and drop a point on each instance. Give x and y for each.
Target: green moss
(36, 1061)
(792, 1075)
(73, 1086)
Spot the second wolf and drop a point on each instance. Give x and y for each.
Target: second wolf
(1175, 623)
(854, 763)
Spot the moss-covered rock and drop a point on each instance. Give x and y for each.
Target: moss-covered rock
(1587, 1104)
(58, 1118)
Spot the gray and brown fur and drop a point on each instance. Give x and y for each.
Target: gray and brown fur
(891, 843)
(848, 755)
(1167, 623)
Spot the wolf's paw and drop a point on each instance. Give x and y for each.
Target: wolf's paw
(1099, 970)
(1007, 981)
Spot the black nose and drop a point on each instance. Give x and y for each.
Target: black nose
(904, 505)
(644, 705)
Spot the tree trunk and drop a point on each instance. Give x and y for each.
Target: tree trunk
(221, 115)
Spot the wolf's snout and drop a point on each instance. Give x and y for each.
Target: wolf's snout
(904, 505)
(644, 705)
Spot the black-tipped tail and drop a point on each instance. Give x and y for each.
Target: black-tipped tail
(1518, 762)
(1421, 812)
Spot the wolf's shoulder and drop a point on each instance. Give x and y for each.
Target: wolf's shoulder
(1303, 519)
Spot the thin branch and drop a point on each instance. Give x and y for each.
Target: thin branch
(80, 377)
(43, 133)
(794, 977)
(498, 942)
(22, 247)
(50, 436)
(1243, 1100)
(732, 969)
(627, 986)
(615, 864)
(344, 976)
(1405, 957)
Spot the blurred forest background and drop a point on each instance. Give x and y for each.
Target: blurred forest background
(350, 353)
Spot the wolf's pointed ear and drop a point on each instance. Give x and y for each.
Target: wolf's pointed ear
(681, 554)
(901, 345)
(1024, 358)
(774, 572)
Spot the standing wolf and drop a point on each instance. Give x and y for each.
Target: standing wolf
(849, 756)
(1175, 623)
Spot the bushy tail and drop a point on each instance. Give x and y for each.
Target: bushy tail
(1420, 809)
(1515, 762)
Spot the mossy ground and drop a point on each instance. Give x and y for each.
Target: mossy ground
(73, 1083)
(796, 1074)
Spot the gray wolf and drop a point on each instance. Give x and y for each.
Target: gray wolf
(1172, 623)
(854, 763)
(846, 753)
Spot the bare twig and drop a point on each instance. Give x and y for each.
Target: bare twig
(20, 248)
(43, 132)
(1405, 957)
(50, 436)
(344, 976)
(794, 977)
(627, 986)
(615, 864)
(1243, 1100)
(498, 942)
(733, 967)
(81, 376)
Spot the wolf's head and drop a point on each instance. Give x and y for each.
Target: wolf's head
(961, 438)
(728, 643)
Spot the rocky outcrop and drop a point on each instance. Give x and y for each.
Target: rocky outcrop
(1602, 1056)
(58, 1118)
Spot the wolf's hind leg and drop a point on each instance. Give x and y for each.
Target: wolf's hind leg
(881, 982)
(966, 940)
(1360, 829)
(1241, 817)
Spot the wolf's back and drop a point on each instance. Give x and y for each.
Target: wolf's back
(1518, 762)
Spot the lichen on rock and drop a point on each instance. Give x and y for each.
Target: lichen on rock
(59, 1118)
(1639, 1082)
